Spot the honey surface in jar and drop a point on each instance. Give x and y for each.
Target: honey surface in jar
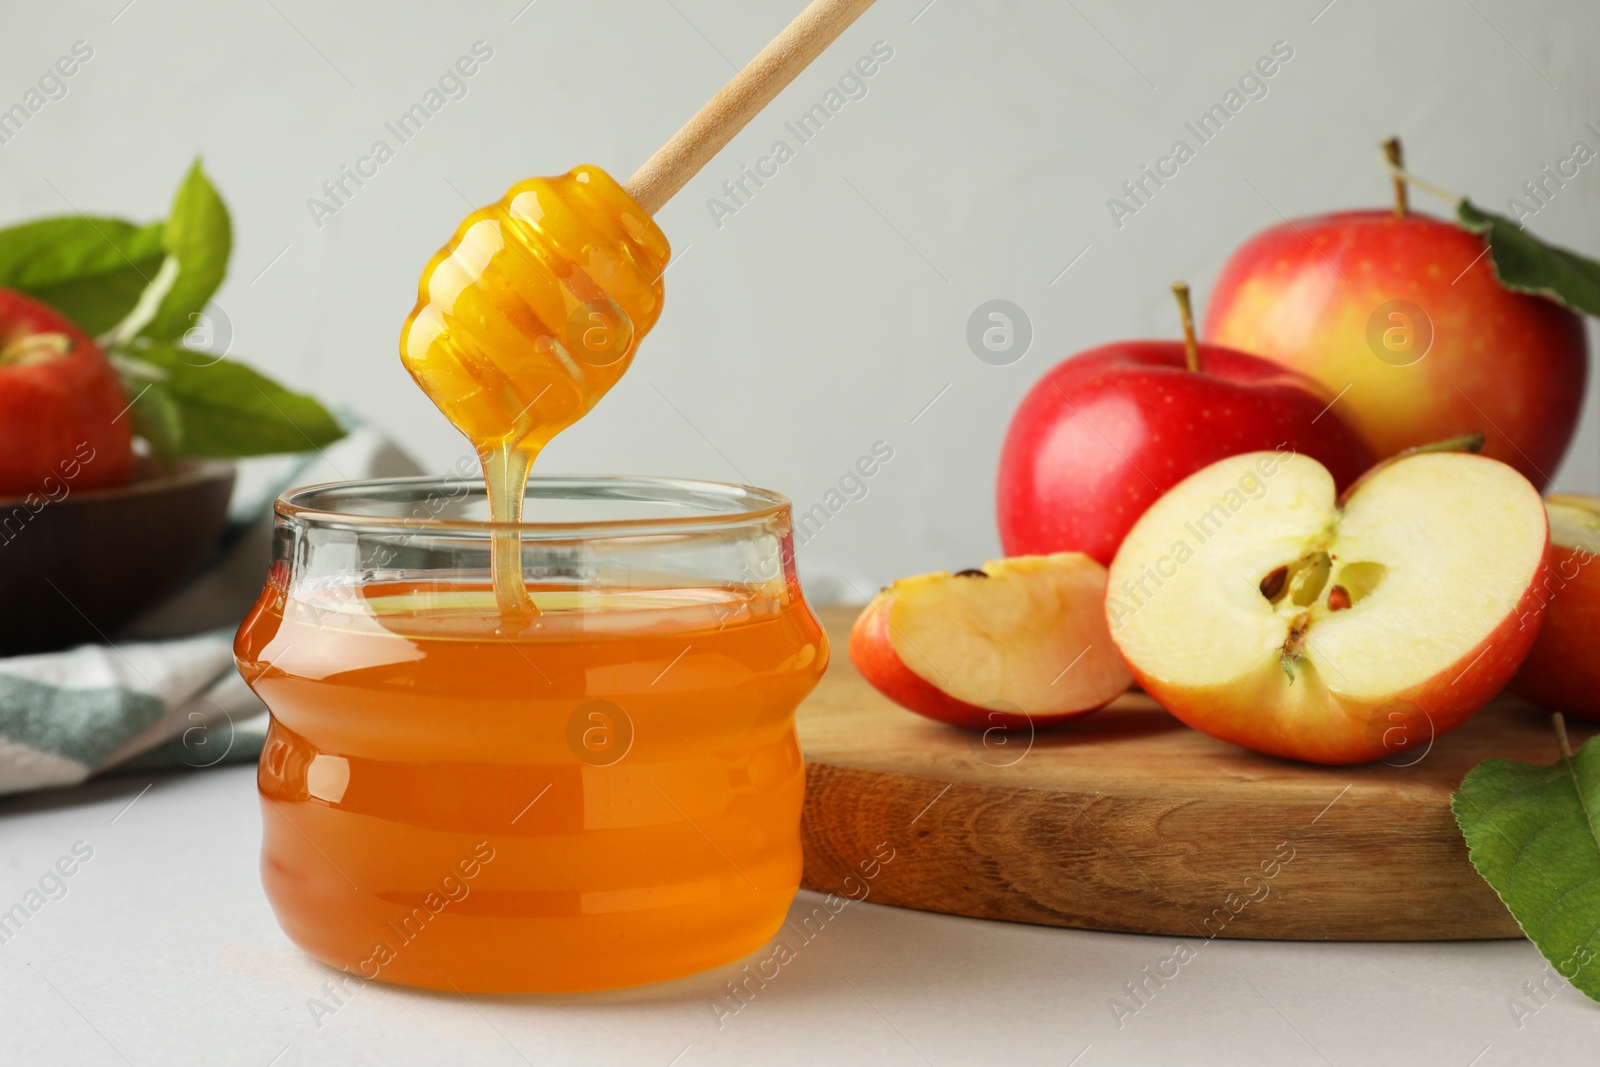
(526, 319)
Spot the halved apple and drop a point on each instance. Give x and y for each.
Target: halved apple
(1022, 640)
(1258, 608)
(1562, 672)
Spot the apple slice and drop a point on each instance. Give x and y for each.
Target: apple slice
(1562, 671)
(1257, 608)
(1021, 641)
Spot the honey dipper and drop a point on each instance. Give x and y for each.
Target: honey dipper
(536, 306)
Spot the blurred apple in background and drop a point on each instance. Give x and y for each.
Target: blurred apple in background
(62, 408)
(1102, 435)
(1403, 315)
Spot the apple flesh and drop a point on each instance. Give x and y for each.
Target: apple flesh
(1257, 607)
(1105, 433)
(1021, 641)
(1562, 672)
(1406, 314)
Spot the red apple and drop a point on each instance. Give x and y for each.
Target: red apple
(1404, 317)
(1105, 433)
(1258, 607)
(1562, 672)
(61, 404)
(1021, 641)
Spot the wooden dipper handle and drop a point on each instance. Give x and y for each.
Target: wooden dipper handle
(752, 89)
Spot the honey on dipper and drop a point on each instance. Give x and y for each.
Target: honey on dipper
(525, 320)
(534, 309)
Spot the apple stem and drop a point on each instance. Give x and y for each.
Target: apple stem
(1561, 735)
(1191, 348)
(1467, 442)
(1405, 177)
(1391, 152)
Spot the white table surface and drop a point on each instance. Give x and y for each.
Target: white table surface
(163, 951)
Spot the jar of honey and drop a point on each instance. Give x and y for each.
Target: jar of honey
(603, 793)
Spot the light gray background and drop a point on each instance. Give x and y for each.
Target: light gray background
(830, 310)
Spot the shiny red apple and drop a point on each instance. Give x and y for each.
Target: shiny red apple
(1403, 316)
(1105, 433)
(62, 408)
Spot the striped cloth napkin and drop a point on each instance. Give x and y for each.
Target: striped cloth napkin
(164, 693)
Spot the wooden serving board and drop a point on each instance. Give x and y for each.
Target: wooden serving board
(1128, 820)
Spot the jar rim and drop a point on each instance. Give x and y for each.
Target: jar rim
(742, 505)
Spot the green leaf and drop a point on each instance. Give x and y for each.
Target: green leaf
(199, 236)
(1534, 835)
(92, 270)
(228, 409)
(1525, 263)
(158, 419)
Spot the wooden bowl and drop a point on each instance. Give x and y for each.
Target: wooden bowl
(76, 568)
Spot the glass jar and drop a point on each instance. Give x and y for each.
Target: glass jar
(603, 794)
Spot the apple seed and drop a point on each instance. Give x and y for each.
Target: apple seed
(1272, 585)
(1338, 598)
